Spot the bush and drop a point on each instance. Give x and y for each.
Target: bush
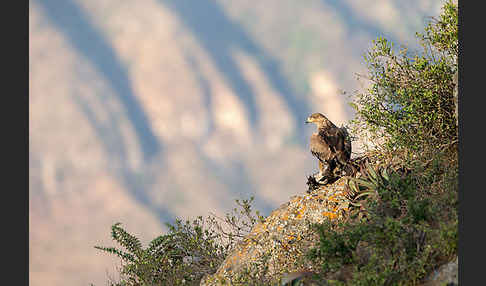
(410, 100)
(406, 223)
(407, 230)
(187, 253)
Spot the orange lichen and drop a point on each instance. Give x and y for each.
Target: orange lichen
(336, 197)
(330, 215)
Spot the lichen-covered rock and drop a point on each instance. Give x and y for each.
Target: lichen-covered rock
(276, 246)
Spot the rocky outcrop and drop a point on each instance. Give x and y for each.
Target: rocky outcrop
(273, 252)
(274, 247)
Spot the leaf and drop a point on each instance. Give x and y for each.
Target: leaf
(364, 194)
(364, 183)
(373, 174)
(385, 175)
(353, 105)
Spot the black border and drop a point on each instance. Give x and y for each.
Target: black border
(15, 136)
(471, 126)
(461, 154)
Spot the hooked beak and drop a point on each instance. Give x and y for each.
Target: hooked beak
(307, 121)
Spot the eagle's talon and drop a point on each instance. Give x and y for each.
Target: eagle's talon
(312, 184)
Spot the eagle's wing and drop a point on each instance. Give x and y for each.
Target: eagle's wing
(320, 147)
(334, 138)
(338, 141)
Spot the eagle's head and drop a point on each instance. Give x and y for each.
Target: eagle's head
(319, 119)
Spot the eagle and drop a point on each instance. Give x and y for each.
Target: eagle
(330, 144)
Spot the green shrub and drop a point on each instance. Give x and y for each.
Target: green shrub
(406, 223)
(410, 99)
(404, 234)
(187, 253)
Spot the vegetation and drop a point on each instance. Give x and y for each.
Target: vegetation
(404, 220)
(410, 100)
(189, 251)
(406, 223)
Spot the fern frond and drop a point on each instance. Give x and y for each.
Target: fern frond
(128, 241)
(123, 255)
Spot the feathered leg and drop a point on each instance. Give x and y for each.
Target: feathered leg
(325, 171)
(321, 169)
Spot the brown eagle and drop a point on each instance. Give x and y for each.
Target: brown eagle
(330, 144)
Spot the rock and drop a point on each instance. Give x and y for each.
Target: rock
(274, 247)
(273, 252)
(446, 274)
(304, 278)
